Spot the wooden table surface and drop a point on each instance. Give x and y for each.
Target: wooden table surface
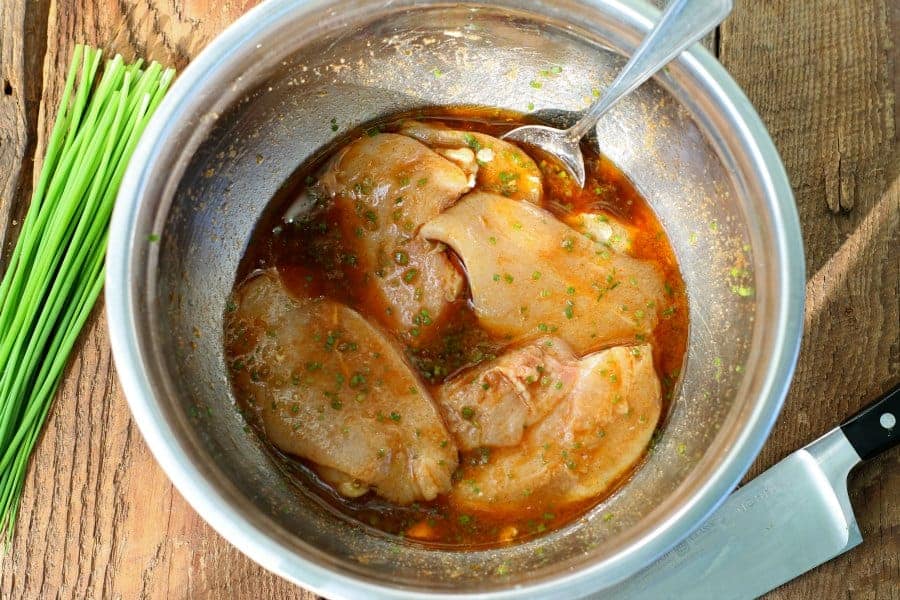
(99, 519)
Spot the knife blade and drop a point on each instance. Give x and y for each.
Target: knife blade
(795, 516)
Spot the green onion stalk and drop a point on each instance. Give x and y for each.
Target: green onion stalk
(56, 270)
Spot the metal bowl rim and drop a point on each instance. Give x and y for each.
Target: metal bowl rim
(208, 501)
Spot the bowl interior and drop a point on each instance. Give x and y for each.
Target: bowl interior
(270, 107)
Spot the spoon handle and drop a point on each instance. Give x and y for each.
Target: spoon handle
(683, 23)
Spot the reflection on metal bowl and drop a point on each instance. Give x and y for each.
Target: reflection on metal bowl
(261, 100)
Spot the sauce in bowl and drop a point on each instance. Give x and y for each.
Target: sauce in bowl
(539, 329)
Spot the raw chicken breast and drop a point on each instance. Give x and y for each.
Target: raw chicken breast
(530, 275)
(499, 166)
(332, 389)
(491, 404)
(384, 187)
(592, 438)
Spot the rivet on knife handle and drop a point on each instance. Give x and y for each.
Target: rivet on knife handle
(875, 428)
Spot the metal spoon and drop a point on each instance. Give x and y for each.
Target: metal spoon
(683, 23)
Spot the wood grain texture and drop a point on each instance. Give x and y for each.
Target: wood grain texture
(100, 520)
(823, 76)
(19, 100)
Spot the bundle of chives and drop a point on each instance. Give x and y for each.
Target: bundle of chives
(56, 269)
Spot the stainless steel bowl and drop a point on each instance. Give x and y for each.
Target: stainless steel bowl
(260, 100)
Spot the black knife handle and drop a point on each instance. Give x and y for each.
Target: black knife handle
(875, 428)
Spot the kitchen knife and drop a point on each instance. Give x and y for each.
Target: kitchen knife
(793, 517)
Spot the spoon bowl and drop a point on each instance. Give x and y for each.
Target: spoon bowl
(564, 148)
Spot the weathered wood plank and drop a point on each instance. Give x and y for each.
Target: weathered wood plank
(99, 519)
(22, 44)
(823, 75)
